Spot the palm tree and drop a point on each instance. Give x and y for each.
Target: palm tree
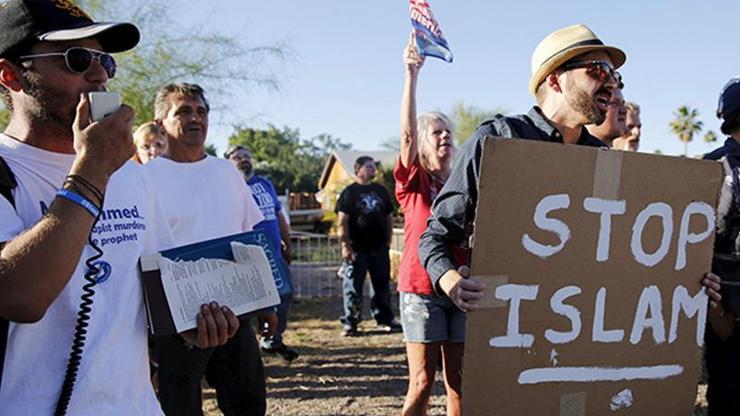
(685, 125)
(710, 137)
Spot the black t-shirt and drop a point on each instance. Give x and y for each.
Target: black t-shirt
(368, 207)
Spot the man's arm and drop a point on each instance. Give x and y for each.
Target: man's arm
(722, 321)
(284, 236)
(347, 253)
(36, 265)
(453, 209)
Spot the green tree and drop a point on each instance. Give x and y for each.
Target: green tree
(392, 143)
(385, 177)
(211, 149)
(168, 52)
(710, 137)
(466, 118)
(280, 154)
(685, 125)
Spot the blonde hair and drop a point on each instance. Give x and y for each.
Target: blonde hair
(423, 123)
(144, 130)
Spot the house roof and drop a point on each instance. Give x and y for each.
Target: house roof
(346, 159)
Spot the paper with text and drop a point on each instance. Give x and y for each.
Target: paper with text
(244, 286)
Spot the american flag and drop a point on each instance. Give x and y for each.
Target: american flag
(429, 37)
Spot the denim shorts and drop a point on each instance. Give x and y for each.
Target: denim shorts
(430, 318)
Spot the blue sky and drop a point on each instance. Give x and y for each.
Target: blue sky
(347, 73)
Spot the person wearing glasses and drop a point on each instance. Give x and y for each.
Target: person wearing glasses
(277, 229)
(72, 184)
(573, 80)
(615, 122)
(433, 327)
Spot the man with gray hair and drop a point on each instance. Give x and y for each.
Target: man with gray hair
(191, 186)
(277, 229)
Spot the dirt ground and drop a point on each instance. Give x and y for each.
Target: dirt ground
(365, 375)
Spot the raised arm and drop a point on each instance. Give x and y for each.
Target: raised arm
(36, 265)
(413, 62)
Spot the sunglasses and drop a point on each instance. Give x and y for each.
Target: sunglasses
(600, 70)
(79, 59)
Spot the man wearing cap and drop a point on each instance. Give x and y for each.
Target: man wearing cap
(203, 198)
(278, 231)
(630, 140)
(722, 348)
(614, 124)
(573, 77)
(73, 182)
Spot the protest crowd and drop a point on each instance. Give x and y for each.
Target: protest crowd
(74, 337)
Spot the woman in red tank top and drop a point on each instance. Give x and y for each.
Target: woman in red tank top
(433, 326)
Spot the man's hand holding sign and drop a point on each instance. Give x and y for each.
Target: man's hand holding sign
(589, 288)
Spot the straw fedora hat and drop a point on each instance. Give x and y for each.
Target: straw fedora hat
(564, 44)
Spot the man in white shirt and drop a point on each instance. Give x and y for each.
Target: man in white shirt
(73, 181)
(203, 197)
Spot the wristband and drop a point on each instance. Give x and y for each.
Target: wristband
(79, 200)
(97, 193)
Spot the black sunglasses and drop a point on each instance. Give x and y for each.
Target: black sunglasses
(79, 59)
(600, 70)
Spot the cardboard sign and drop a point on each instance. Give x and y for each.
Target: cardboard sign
(593, 260)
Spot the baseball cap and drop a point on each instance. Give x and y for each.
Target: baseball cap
(233, 148)
(59, 20)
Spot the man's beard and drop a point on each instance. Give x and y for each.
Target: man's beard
(45, 104)
(248, 172)
(585, 104)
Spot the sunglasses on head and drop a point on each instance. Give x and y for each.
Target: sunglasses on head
(79, 59)
(600, 70)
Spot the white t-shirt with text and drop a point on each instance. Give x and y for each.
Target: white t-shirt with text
(114, 373)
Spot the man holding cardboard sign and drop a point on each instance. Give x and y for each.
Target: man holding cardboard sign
(533, 245)
(573, 75)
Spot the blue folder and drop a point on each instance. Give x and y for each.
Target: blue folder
(220, 248)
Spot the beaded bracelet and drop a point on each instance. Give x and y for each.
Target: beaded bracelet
(79, 200)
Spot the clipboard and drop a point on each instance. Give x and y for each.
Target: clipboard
(159, 314)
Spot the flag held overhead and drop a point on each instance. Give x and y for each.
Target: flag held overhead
(429, 38)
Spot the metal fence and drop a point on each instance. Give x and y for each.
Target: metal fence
(316, 258)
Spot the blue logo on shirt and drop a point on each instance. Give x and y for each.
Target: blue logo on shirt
(104, 271)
